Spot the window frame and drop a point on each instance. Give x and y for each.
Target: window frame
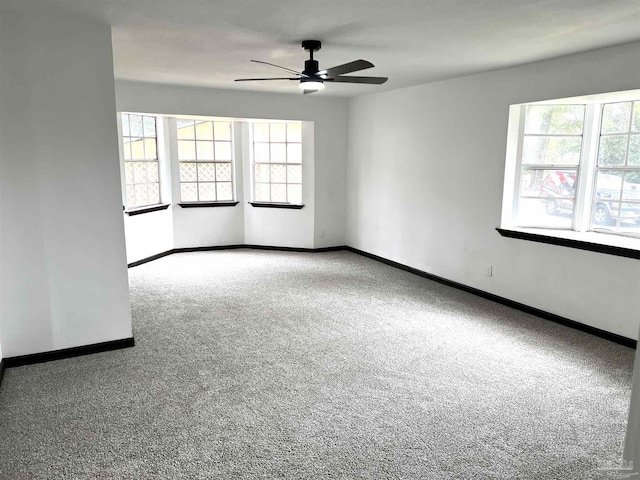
(128, 209)
(232, 163)
(252, 143)
(557, 167)
(582, 226)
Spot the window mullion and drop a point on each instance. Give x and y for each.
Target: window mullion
(586, 174)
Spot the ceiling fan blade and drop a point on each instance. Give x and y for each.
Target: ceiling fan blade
(370, 80)
(346, 68)
(282, 68)
(256, 79)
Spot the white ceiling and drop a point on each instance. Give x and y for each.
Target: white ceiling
(210, 42)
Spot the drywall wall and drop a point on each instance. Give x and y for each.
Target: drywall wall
(424, 187)
(62, 263)
(148, 234)
(0, 191)
(320, 223)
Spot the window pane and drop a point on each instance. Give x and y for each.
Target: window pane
(294, 194)
(153, 193)
(128, 173)
(567, 119)
(263, 192)
(634, 150)
(131, 195)
(278, 132)
(204, 130)
(137, 149)
(262, 173)
(149, 125)
(206, 192)
(260, 132)
(631, 186)
(135, 123)
(206, 172)
(125, 125)
(278, 192)
(150, 149)
(152, 171)
(185, 130)
(278, 174)
(294, 153)
(188, 172)
(186, 150)
(551, 150)
(616, 117)
(294, 174)
(189, 192)
(126, 148)
(140, 172)
(612, 151)
(141, 195)
(222, 130)
(548, 183)
(635, 127)
(261, 152)
(204, 150)
(609, 185)
(224, 191)
(223, 172)
(552, 213)
(278, 152)
(294, 132)
(604, 213)
(223, 151)
(615, 215)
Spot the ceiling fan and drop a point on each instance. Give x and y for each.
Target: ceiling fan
(312, 79)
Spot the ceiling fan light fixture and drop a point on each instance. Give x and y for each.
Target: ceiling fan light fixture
(313, 84)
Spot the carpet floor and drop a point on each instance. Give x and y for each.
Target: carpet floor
(277, 365)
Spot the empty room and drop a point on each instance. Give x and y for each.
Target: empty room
(319, 240)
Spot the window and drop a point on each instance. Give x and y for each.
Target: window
(616, 203)
(576, 166)
(551, 148)
(277, 162)
(139, 141)
(205, 154)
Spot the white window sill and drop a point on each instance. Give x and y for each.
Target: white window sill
(592, 241)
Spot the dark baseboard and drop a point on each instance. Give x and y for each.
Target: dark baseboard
(2, 367)
(233, 247)
(150, 259)
(613, 337)
(21, 360)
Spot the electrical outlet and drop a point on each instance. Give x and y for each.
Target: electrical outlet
(489, 271)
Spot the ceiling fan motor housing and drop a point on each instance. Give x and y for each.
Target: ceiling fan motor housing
(311, 67)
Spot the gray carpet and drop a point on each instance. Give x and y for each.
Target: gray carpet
(255, 364)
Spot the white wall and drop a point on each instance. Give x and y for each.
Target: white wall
(424, 187)
(62, 264)
(0, 191)
(320, 223)
(148, 234)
